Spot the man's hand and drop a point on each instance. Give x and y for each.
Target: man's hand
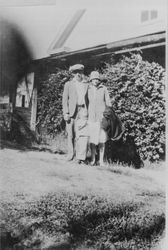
(67, 118)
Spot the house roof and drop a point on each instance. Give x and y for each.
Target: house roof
(137, 43)
(152, 46)
(104, 22)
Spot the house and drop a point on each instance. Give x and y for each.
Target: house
(38, 39)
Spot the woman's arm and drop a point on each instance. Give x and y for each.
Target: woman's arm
(107, 98)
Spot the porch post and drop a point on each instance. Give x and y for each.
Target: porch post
(33, 107)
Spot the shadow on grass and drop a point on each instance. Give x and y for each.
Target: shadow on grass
(28, 147)
(79, 220)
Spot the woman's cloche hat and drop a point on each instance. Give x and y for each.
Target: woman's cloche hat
(94, 75)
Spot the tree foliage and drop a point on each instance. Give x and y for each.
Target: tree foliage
(137, 89)
(49, 107)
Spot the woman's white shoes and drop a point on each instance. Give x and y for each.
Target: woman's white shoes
(102, 164)
(92, 163)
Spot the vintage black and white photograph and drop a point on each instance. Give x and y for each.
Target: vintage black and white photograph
(83, 124)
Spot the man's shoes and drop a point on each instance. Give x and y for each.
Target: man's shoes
(92, 163)
(69, 158)
(81, 162)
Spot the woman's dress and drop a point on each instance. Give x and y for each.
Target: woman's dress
(98, 100)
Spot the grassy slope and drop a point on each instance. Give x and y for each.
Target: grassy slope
(45, 200)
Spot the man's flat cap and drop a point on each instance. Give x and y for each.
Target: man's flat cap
(76, 67)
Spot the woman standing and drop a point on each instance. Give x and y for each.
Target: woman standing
(98, 100)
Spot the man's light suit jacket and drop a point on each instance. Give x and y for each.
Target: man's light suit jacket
(69, 100)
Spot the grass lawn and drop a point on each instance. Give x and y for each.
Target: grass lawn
(47, 203)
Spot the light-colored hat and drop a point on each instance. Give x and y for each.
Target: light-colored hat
(76, 67)
(94, 75)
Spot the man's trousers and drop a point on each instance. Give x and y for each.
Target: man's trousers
(77, 145)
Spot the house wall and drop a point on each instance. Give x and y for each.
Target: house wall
(25, 89)
(26, 107)
(4, 99)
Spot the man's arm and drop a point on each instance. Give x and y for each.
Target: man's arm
(65, 101)
(86, 96)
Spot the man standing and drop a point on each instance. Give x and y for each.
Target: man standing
(74, 102)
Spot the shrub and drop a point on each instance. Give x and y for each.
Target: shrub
(49, 105)
(137, 89)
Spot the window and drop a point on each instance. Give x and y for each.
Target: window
(144, 16)
(153, 14)
(148, 15)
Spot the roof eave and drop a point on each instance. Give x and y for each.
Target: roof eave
(153, 40)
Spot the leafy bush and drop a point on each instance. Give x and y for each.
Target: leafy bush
(137, 89)
(82, 220)
(49, 105)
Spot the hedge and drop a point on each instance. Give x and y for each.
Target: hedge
(49, 105)
(137, 90)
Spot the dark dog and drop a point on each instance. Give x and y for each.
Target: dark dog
(124, 152)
